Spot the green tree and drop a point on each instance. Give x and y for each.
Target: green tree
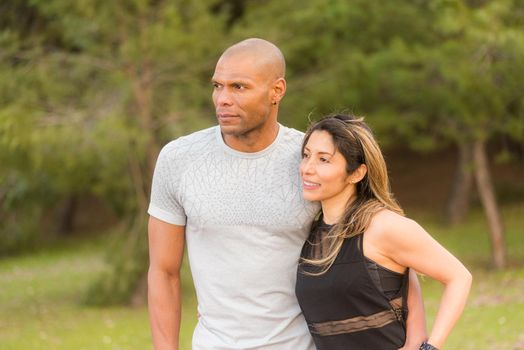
(431, 74)
(473, 77)
(94, 90)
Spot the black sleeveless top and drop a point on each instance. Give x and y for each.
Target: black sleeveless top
(345, 308)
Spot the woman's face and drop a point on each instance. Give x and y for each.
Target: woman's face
(323, 171)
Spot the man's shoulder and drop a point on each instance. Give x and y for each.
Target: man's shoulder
(293, 132)
(197, 141)
(293, 136)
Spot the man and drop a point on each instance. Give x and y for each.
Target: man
(233, 191)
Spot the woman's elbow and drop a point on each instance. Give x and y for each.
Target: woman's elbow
(468, 278)
(464, 279)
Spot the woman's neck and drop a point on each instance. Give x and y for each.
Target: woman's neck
(333, 210)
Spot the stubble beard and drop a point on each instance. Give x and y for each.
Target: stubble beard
(244, 133)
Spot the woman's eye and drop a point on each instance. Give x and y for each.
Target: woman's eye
(238, 86)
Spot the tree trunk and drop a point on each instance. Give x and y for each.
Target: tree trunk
(141, 175)
(67, 215)
(142, 80)
(139, 183)
(489, 202)
(460, 194)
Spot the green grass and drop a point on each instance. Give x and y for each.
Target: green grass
(494, 314)
(40, 303)
(41, 294)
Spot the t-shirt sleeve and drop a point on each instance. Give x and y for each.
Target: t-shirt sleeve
(165, 204)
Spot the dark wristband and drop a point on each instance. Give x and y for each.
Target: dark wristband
(426, 346)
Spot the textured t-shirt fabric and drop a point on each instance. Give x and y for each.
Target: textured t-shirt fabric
(246, 222)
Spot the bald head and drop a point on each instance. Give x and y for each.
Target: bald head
(248, 85)
(267, 56)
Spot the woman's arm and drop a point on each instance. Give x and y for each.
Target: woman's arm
(416, 331)
(408, 244)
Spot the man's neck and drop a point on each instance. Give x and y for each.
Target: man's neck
(254, 141)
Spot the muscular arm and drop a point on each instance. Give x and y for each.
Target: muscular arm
(410, 245)
(166, 250)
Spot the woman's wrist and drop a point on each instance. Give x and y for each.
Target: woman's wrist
(427, 346)
(413, 342)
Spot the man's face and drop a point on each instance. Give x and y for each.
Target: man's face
(242, 95)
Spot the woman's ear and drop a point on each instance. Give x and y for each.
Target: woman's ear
(359, 173)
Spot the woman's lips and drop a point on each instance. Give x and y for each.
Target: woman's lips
(308, 185)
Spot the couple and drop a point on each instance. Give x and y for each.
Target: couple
(271, 266)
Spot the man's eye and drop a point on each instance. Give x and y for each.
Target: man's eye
(238, 86)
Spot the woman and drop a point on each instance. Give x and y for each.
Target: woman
(352, 279)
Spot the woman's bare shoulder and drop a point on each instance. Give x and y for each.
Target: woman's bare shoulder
(386, 223)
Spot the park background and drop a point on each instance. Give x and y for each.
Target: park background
(90, 90)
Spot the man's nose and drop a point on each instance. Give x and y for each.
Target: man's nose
(223, 98)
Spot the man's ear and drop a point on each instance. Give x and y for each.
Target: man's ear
(279, 90)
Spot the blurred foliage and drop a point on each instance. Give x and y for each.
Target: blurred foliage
(126, 270)
(91, 89)
(430, 72)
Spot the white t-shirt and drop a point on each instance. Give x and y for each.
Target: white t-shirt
(246, 222)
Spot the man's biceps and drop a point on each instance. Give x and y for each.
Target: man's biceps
(157, 225)
(166, 259)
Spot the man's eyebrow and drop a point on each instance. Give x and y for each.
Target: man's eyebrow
(240, 81)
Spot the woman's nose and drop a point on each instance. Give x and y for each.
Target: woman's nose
(306, 167)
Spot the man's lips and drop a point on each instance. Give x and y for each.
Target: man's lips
(226, 116)
(308, 185)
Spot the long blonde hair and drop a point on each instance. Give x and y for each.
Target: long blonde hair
(353, 138)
